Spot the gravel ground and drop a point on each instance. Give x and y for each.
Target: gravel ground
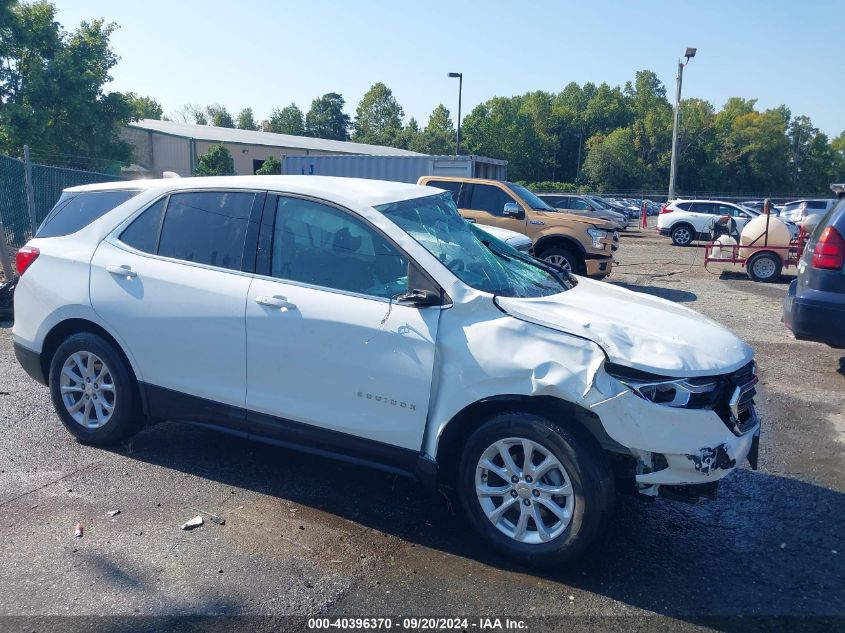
(309, 537)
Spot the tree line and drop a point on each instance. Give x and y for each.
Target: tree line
(53, 97)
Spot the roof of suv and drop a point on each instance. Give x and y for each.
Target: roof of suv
(349, 192)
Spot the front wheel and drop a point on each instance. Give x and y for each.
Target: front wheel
(94, 391)
(539, 492)
(564, 258)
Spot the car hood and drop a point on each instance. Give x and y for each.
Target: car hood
(506, 235)
(637, 330)
(567, 216)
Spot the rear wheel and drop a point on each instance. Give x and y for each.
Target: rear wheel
(539, 492)
(565, 258)
(683, 235)
(94, 391)
(764, 267)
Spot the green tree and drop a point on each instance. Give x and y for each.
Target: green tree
(143, 107)
(217, 161)
(412, 137)
(326, 118)
(612, 163)
(288, 120)
(246, 120)
(378, 118)
(52, 94)
(439, 134)
(219, 116)
(270, 167)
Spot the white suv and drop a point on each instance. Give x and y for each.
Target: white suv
(367, 321)
(688, 220)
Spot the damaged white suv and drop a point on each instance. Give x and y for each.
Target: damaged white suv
(368, 321)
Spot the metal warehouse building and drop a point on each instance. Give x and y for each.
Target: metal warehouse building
(169, 146)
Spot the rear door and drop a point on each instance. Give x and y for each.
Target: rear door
(333, 360)
(173, 285)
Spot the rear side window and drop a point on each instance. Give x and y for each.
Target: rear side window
(206, 227)
(817, 204)
(77, 211)
(684, 206)
(452, 187)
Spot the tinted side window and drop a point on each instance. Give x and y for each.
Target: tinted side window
(488, 198)
(206, 227)
(74, 213)
(684, 205)
(558, 202)
(702, 207)
(817, 204)
(322, 246)
(142, 234)
(452, 187)
(579, 204)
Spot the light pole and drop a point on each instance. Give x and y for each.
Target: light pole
(460, 77)
(689, 54)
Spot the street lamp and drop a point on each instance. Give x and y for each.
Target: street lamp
(460, 77)
(689, 54)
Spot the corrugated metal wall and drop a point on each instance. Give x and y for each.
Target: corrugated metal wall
(395, 168)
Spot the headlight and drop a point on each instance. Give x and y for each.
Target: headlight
(598, 235)
(670, 392)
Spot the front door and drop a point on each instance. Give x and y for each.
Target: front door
(333, 361)
(485, 204)
(171, 287)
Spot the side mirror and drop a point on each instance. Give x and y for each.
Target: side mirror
(512, 210)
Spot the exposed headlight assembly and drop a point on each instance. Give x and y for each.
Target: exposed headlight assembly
(669, 392)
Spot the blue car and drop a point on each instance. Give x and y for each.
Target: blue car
(814, 307)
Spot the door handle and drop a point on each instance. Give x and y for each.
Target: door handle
(275, 302)
(122, 271)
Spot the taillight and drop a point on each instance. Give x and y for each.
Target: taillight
(25, 257)
(665, 209)
(830, 250)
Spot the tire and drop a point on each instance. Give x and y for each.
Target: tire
(82, 402)
(585, 468)
(565, 258)
(683, 235)
(764, 267)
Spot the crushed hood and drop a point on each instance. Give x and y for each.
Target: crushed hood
(637, 330)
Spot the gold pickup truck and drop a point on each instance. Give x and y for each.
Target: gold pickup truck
(583, 246)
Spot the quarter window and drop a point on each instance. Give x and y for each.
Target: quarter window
(77, 210)
(142, 234)
(489, 198)
(319, 245)
(206, 227)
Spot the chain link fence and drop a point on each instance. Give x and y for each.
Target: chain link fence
(17, 212)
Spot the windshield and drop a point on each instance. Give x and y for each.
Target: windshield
(482, 262)
(530, 199)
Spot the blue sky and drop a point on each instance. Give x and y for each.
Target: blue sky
(267, 54)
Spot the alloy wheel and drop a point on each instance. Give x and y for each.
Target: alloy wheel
(560, 261)
(682, 236)
(524, 490)
(87, 389)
